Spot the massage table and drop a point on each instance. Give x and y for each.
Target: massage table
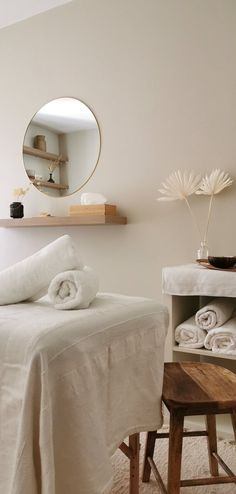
(74, 385)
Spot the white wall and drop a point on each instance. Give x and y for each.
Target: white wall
(160, 76)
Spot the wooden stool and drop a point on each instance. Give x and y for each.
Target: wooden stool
(191, 388)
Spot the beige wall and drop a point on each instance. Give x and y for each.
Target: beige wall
(160, 76)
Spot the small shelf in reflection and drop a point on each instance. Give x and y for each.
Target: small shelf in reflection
(50, 185)
(43, 154)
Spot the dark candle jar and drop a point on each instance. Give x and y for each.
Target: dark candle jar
(16, 210)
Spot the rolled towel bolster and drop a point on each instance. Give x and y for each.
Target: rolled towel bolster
(30, 278)
(215, 314)
(74, 289)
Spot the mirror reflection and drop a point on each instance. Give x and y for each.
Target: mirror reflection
(61, 147)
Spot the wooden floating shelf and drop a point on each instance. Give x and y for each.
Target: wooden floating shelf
(50, 185)
(43, 154)
(85, 220)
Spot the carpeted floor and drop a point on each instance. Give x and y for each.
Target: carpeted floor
(194, 464)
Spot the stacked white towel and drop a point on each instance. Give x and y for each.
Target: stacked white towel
(188, 334)
(74, 289)
(223, 338)
(30, 278)
(215, 314)
(212, 327)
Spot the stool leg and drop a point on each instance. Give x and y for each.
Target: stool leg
(134, 464)
(212, 443)
(175, 452)
(233, 420)
(149, 451)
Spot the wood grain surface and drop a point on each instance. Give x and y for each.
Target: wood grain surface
(194, 385)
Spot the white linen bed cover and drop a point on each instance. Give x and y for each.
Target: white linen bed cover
(74, 384)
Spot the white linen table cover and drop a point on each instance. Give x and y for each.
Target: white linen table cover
(193, 279)
(74, 384)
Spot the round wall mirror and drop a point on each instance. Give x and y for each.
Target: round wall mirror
(61, 147)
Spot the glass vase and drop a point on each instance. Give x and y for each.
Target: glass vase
(51, 179)
(203, 252)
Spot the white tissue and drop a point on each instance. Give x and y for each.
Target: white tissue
(92, 198)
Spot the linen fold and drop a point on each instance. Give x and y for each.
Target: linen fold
(223, 338)
(74, 289)
(30, 278)
(188, 334)
(216, 313)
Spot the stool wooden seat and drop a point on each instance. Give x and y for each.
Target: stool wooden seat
(191, 388)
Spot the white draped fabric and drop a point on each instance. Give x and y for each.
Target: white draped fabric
(192, 279)
(73, 385)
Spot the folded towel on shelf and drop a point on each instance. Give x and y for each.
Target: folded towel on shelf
(222, 339)
(74, 289)
(30, 278)
(188, 334)
(216, 313)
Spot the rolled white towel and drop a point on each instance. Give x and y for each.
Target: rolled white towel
(188, 334)
(215, 314)
(222, 339)
(30, 278)
(74, 289)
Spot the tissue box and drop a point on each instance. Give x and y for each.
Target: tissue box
(92, 209)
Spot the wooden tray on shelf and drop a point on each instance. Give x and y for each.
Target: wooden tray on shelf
(205, 263)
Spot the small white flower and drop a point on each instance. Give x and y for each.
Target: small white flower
(179, 186)
(20, 192)
(214, 183)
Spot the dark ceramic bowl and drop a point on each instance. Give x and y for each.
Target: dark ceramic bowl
(222, 262)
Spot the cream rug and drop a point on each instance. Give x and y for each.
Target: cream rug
(194, 464)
